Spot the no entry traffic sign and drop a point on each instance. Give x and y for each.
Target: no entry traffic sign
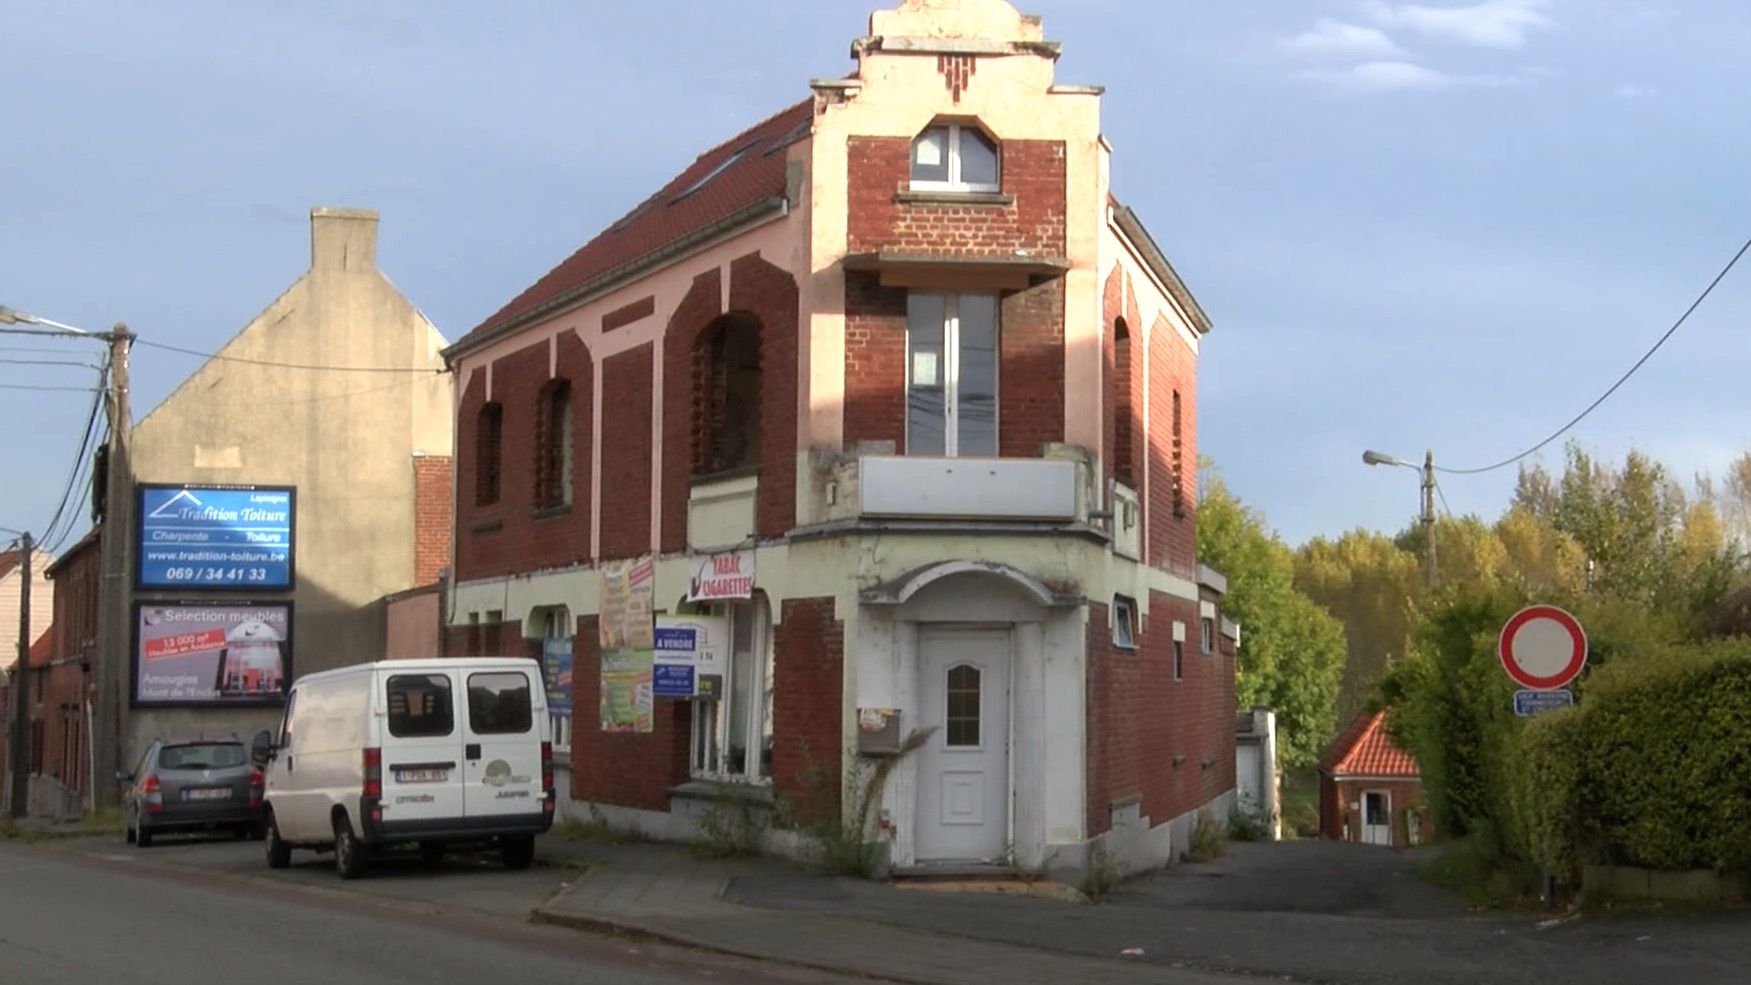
(1542, 647)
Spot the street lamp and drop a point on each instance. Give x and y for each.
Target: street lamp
(20, 706)
(1428, 471)
(12, 316)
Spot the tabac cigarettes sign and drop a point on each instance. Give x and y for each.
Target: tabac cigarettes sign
(211, 653)
(713, 577)
(216, 537)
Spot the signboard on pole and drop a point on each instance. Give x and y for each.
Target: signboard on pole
(216, 537)
(689, 656)
(1542, 647)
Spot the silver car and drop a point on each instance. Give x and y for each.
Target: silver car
(192, 785)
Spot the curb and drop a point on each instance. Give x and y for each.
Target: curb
(546, 914)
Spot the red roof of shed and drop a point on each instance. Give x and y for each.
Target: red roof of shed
(741, 172)
(1366, 750)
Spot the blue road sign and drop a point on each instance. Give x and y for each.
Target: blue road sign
(216, 537)
(1528, 703)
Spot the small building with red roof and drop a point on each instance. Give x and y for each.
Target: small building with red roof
(1371, 789)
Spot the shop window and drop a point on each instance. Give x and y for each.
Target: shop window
(732, 734)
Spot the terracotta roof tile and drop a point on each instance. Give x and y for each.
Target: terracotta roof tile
(43, 650)
(1366, 750)
(739, 173)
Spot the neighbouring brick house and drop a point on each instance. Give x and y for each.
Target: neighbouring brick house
(1370, 788)
(891, 390)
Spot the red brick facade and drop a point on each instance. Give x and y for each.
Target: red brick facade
(626, 453)
(884, 217)
(1169, 742)
(1173, 451)
(432, 517)
(809, 671)
(1339, 823)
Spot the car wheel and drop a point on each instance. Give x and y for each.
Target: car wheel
(142, 836)
(518, 852)
(431, 852)
(349, 853)
(278, 852)
(127, 830)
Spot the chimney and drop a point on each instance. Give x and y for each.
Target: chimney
(343, 240)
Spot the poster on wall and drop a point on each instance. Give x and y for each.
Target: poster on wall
(689, 656)
(556, 670)
(216, 538)
(713, 577)
(211, 653)
(628, 597)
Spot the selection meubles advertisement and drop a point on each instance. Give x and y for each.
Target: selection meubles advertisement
(213, 653)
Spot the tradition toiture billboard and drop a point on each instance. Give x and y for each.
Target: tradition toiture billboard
(237, 538)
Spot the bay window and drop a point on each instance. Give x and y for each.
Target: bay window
(951, 374)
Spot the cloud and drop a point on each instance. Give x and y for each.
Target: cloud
(1336, 39)
(1397, 76)
(1490, 24)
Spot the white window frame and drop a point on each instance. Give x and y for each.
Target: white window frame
(714, 715)
(557, 621)
(952, 147)
(1207, 634)
(951, 372)
(1124, 623)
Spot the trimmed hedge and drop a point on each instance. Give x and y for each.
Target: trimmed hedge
(1652, 768)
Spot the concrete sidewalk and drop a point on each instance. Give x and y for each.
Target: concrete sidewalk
(661, 892)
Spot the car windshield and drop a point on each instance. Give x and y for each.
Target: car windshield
(202, 756)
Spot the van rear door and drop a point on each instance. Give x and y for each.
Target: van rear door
(502, 758)
(422, 750)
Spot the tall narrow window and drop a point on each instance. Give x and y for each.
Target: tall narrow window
(1179, 460)
(951, 374)
(1121, 390)
(954, 157)
(732, 733)
(726, 402)
(553, 445)
(489, 432)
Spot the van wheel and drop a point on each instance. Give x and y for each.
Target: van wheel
(349, 853)
(278, 852)
(432, 852)
(518, 852)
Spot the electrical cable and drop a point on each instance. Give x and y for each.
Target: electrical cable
(81, 463)
(279, 365)
(1559, 432)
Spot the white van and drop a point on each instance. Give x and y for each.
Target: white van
(434, 753)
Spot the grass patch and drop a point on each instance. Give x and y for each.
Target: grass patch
(1479, 872)
(597, 829)
(1209, 839)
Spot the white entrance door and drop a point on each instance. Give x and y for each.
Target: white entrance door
(1377, 818)
(963, 771)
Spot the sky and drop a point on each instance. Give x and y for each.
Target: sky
(1440, 226)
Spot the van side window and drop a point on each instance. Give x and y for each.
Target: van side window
(286, 723)
(420, 706)
(499, 704)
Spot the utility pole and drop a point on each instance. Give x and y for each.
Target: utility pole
(115, 591)
(20, 683)
(1429, 518)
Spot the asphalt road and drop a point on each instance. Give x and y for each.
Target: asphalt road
(71, 918)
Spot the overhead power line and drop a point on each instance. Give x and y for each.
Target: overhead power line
(281, 365)
(62, 524)
(1559, 432)
(62, 389)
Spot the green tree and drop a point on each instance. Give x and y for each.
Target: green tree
(1292, 650)
(1370, 585)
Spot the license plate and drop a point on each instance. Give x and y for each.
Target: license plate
(209, 793)
(421, 776)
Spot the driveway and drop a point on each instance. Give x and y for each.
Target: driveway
(1329, 877)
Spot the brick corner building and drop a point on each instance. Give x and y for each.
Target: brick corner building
(892, 389)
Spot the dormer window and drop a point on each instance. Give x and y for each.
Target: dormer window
(954, 157)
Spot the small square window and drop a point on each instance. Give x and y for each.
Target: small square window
(1124, 623)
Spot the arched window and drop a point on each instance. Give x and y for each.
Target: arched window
(1120, 384)
(489, 433)
(553, 445)
(726, 396)
(954, 157)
